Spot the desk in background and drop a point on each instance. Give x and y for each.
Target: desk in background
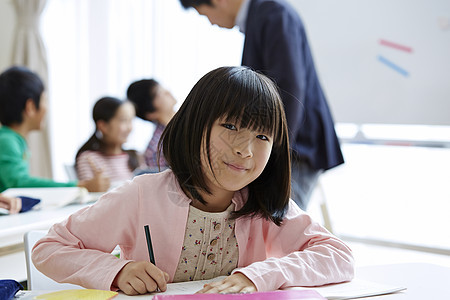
(12, 230)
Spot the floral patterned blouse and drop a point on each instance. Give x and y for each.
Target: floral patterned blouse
(210, 247)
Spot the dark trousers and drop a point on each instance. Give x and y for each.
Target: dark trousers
(303, 180)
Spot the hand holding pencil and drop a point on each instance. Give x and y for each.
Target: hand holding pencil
(141, 277)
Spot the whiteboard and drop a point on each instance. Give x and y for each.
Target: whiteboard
(382, 61)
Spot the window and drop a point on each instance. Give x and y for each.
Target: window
(97, 48)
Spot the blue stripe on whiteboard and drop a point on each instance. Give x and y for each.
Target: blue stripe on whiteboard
(393, 66)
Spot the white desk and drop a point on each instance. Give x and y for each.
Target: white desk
(423, 281)
(12, 229)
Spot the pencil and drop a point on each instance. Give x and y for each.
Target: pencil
(149, 244)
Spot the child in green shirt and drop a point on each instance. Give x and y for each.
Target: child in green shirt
(22, 109)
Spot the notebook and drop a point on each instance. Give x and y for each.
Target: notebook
(88, 294)
(357, 288)
(272, 295)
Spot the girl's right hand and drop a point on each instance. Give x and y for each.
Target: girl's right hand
(98, 183)
(140, 277)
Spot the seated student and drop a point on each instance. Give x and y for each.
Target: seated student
(22, 109)
(155, 104)
(222, 208)
(103, 151)
(12, 204)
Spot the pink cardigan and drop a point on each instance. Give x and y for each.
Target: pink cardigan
(77, 250)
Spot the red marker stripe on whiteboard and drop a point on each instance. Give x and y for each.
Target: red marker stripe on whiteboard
(396, 46)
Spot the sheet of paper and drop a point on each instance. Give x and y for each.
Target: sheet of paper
(189, 287)
(356, 288)
(180, 288)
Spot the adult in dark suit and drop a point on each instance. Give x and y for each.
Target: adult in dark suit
(276, 44)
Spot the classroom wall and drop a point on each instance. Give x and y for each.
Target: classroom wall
(382, 61)
(7, 21)
(360, 87)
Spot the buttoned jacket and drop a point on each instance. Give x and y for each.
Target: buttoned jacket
(276, 45)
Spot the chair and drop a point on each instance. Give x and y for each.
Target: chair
(324, 207)
(319, 199)
(71, 172)
(35, 279)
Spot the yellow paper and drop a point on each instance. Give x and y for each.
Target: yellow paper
(87, 294)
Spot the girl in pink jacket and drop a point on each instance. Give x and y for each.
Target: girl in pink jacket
(222, 208)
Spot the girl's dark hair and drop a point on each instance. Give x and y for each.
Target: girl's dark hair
(142, 93)
(250, 100)
(17, 85)
(104, 110)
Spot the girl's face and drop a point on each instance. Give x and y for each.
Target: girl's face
(238, 156)
(118, 128)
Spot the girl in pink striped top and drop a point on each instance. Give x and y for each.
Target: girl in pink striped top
(103, 151)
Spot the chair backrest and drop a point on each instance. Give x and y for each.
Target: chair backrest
(35, 279)
(71, 172)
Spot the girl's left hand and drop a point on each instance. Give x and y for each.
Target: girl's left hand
(236, 283)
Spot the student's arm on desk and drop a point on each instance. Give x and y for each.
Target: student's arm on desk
(87, 238)
(14, 171)
(301, 253)
(16, 176)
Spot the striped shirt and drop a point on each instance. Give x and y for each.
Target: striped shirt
(113, 166)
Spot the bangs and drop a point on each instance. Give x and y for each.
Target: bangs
(254, 117)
